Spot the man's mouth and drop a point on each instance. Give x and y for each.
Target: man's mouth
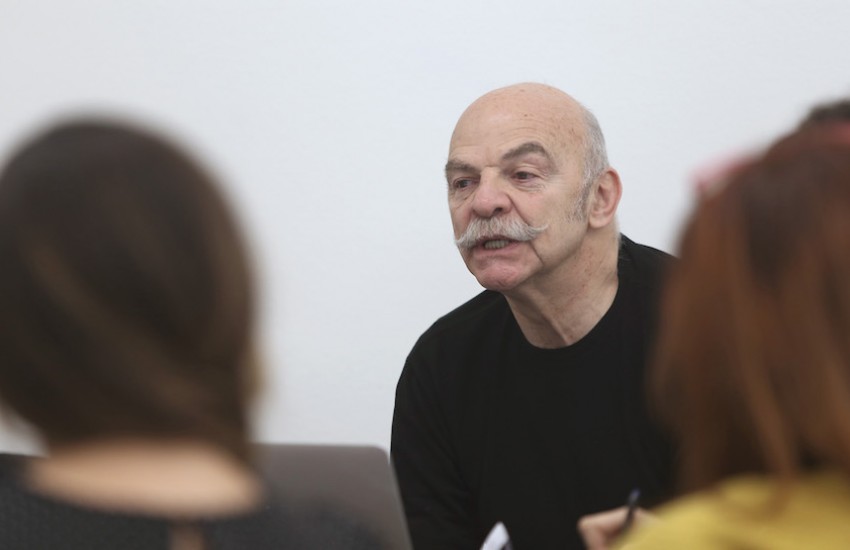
(496, 244)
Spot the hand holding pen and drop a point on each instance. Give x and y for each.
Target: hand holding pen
(631, 507)
(599, 531)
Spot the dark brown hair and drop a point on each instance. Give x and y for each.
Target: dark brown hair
(125, 294)
(753, 361)
(836, 112)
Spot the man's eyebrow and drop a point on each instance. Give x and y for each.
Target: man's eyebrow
(530, 147)
(525, 149)
(454, 165)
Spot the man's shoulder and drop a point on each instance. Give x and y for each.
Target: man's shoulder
(643, 255)
(454, 348)
(644, 265)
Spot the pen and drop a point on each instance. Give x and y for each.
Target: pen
(631, 506)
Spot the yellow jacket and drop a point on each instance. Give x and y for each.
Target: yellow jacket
(738, 515)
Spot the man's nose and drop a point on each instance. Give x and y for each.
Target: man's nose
(491, 197)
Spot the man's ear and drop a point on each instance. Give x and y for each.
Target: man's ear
(604, 198)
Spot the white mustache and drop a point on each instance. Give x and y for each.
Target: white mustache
(480, 229)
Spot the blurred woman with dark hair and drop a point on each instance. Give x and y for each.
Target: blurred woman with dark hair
(753, 365)
(126, 341)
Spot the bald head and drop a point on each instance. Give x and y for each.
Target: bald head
(570, 124)
(525, 100)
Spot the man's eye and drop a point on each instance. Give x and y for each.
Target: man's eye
(461, 183)
(524, 176)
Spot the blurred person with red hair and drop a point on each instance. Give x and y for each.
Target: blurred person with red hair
(752, 370)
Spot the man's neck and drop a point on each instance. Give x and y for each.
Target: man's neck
(561, 311)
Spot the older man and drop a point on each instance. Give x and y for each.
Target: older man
(525, 405)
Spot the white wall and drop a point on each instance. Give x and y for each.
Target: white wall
(329, 122)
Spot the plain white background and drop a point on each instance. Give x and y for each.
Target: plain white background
(329, 124)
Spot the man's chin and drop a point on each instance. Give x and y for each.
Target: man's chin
(498, 284)
(500, 275)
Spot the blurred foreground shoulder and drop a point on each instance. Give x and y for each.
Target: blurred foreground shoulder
(739, 513)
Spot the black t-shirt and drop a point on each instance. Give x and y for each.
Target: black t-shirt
(489, 428)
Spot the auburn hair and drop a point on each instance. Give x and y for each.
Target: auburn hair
(752, 369)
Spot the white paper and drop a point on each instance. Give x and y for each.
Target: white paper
(497, 539)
